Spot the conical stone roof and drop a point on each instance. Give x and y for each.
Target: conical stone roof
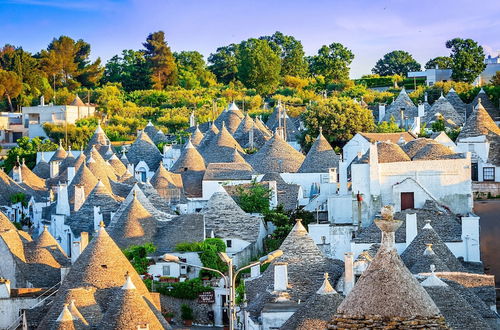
(427, 259)
(442, 108)
(117, 165)
(150, 130)
(98, 139)
(320, 158)
(231, 117)
(163, 179)
(402, 101)
(143, 149)
(60, 154)
(208, 136)
(83, 177)
(220, 149)
(31, 179)
(457, 103)
(42, 169)
(83, 219)
(487, 104)
(135, 226)
(277, 156)
(130, 311)
(77, 101)
(479, 123)
(189, 159)
(102, 267)
(317, 311)
(242, 134)
(387, 291)
(196, 137)
(427, 235)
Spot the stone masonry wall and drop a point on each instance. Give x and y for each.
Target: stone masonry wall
(200, 311)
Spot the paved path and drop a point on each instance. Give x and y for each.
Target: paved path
(489, 224)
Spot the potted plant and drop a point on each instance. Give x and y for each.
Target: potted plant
(187, 315)
(169, 316)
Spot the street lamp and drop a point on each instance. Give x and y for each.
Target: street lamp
(230, 279)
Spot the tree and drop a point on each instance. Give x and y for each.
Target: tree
(191, 65)
(259, 66)
(332, 62)
(291, 52)
(130, 69)
(495, 80)
(388, 127)
(10, 86)
(467, 59)
(396, 62)
(68, 61)
(27, 148)
(340, 119)
(137, 255)
(441, 62)
(254, 199)
(224, 63)
(161, 60)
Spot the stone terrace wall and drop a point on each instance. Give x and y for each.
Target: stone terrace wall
(379, 322)
(200, 311)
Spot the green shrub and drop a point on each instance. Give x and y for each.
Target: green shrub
(189, 289)
(186, 312)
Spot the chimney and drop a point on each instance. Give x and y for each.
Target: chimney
(421, 110)
(17, 174)
(381, 112)
(348, 272)
(54, 169)
(250, 138)
(97, 217)
(42, 100)
(4, 288)
(64, 272)
(425, 98)
(62, 206)
(402, 111)
(388, 225)
(84, 240)
(71, 174)
(411, 227)
(280, 276)
(255, 271)
(79, 197)
(192, 120)
(343, 177)
(374, 170)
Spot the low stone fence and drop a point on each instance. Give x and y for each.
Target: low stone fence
(200, 311)
(486, 189)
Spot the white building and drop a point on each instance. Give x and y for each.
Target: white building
(432, 76)
(35, 117)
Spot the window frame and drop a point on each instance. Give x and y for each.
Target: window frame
(492, 174)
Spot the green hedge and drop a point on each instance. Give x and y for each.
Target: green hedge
(189, 289)
(388, 82)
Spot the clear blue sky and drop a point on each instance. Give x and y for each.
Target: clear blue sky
(369, 28)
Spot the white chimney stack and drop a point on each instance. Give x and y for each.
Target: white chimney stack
(421, 110)
(255, 271)
(79, 197)
(4, 288)
(381, 112)
(54, 169)
(343, 177)
(348, 272)
(280, 276)
(71, 174)
(62, 206)
(97, 217)
(411, 227)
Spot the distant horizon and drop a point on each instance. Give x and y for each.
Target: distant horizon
(369, 28)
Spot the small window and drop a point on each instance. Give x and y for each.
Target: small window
(166, 270)
(229, 243)
(488, 174)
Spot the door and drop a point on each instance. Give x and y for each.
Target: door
(474, 172)
(407, 201)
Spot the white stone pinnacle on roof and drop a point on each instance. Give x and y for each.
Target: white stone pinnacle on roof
(189, 145)
(129, 285)
(482, 91)
(98, 128)
(452, 90)
(326, 287)
(149, 123)
(433, 280)
(233, 107)
(65, 315)
(442, 96)
(91, 159)
(428, 250)
(427, 224)
(99, 183)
